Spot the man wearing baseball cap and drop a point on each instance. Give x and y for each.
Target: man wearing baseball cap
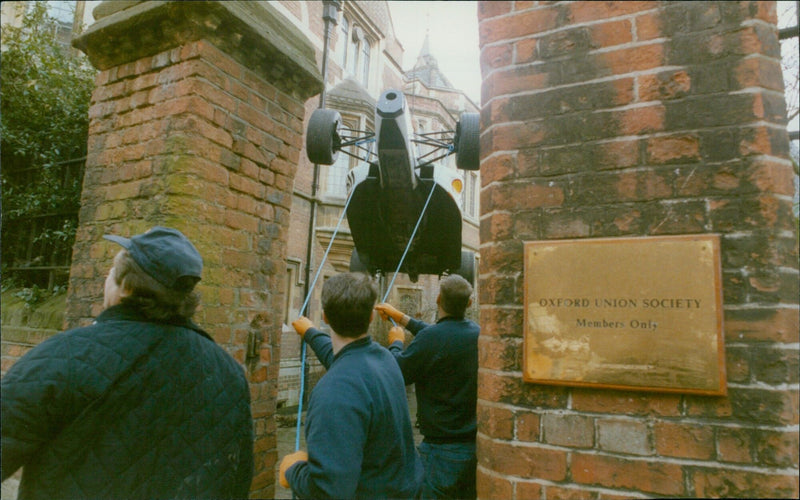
(140, 404)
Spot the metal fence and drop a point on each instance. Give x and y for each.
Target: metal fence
(37, 248)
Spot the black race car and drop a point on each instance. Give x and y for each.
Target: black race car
(393, 187)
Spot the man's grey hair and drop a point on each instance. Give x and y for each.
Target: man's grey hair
(154, 300)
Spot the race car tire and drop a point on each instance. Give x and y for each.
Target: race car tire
(322, 137)
(467, 141)
(356, 264)
(467, 268)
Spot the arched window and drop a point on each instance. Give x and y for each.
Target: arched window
(336, 184)
(63, 12)
(336, 181)
(341, 42)
(352, 51)
(421, 129)
(470, 200)
(364, 62)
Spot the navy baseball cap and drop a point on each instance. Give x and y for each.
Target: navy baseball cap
(166, 255)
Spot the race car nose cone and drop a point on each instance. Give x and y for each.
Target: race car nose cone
(391, 104)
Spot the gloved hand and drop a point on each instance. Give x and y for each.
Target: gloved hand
(287, 462)
(387, 311)
(396, 333)
(301, 325)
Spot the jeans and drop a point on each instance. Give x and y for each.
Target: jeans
(449, 470)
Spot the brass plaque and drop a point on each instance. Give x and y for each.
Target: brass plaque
(626, 313)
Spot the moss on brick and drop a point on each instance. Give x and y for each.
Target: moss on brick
(48, 315)
(25, 324)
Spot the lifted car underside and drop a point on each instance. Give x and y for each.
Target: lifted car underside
(395, 195)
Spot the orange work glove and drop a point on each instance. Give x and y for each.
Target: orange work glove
(387, 311)
(396, 333)
(287, 462)
(301, 325)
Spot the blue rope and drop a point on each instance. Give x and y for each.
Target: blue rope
(410, 240)
(302, 311)
(314, 282)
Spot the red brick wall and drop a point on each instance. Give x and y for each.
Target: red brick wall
(193, 140)
(204, 137)
(606, 119)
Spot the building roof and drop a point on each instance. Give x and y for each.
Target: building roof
(352, 91)
(350, 96)
(427, 70)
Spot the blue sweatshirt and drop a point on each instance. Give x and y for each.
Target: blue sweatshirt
(442, 361)
(358, 429)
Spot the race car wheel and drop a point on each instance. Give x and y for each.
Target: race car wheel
(467, 269)
(322, 137)
(467, 141)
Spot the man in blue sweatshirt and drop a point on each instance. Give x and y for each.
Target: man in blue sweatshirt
(358, 430)
(442, 361)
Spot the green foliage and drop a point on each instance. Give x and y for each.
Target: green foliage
(45, 90)
(33, 295)
(44, 99)
(8, 282)
(30, 295)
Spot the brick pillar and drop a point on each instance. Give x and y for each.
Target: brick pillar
(607, 119)
(197, 123)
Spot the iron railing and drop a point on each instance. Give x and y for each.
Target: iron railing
(37, 247)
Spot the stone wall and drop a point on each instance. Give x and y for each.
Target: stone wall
(617, 119)
(27, 325)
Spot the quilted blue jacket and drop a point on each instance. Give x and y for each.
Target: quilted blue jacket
(127, 408)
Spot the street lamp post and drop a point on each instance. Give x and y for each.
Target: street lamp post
(330, 15)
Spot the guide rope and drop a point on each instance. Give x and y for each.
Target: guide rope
(303, 310)
(314, 282)
(410, 240)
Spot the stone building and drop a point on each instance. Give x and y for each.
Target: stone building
(197, 121)
(365, 59)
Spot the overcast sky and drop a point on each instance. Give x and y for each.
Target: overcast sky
(453, 30)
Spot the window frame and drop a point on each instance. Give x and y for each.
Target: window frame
(348, 121)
